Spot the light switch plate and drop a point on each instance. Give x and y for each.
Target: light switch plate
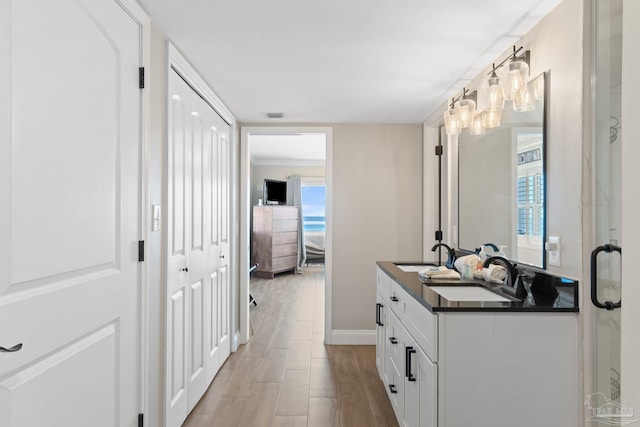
(259, 187)
(554, 255)
(155, 217)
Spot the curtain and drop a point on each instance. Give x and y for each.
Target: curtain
(294, 198)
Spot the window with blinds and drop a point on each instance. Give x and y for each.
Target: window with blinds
(530, 196)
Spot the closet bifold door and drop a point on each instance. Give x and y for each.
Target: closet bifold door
(197, 305)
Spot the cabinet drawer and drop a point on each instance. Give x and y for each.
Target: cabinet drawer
(395, 388)
(285, 250)
(395, 334)
(383, 283)
(284, 263)
(422, 325)
(284, 212)
(285, 225)
(397, 298)
(286, 237)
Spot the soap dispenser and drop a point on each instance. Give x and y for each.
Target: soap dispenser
(483, 253)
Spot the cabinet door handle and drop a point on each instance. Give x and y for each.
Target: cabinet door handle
(394, 299)
(393, 340)
(13, 349)
(392, 389)
(378, 316)
(185, 269)
(408, 351)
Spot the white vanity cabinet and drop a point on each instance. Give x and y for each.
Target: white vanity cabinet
(410, 377)
(476, 368)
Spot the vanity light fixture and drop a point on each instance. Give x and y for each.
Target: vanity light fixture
(451, 123)
(491, 95)
(515, 75)
(477, 125)
(526, 100)
(508, 81)
(465, 109)
(491, 119)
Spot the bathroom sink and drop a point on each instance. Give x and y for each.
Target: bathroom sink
(468, 293)
(410, 268)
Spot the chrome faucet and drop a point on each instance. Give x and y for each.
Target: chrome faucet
(451, 254)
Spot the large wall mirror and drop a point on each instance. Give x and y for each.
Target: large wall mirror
(501, 185)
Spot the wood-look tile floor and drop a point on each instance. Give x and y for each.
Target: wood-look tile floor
(286, 376)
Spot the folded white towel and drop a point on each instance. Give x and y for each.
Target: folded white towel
(470, 260)
(441, 272)
(494, 273)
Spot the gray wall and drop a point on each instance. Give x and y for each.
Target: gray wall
(377, 212)
(556, 45)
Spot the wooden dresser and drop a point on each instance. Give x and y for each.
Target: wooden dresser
(275, 239)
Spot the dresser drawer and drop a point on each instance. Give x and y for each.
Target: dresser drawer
(285, 237)
(285, 225)
(284, 263)
(285, 250)
(285, 212)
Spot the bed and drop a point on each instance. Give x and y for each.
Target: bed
(314, 244)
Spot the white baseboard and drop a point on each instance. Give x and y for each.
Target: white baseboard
(235, 341)
(353, 337)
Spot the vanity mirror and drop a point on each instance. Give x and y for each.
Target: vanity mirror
(501, 184)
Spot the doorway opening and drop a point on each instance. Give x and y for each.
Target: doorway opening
(301, 158)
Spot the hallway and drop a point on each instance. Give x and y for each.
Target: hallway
(286, 376)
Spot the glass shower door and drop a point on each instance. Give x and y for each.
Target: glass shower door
(603, 405)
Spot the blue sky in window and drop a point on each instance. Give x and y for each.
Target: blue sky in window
(313, 200)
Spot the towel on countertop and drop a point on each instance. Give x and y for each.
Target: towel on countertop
(470, 260)
(441, 272)
(494, 273)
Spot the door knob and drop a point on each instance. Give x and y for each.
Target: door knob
(13, 349)
(185, 269)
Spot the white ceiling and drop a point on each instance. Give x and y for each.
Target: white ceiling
(330, 61)
(299, 149)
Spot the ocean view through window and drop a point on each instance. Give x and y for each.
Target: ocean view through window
(313, 207)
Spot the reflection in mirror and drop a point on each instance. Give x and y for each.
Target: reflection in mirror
(501, 185)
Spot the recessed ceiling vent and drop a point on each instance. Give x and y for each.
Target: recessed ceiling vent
(275, 115)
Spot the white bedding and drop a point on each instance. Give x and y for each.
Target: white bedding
(314, 243)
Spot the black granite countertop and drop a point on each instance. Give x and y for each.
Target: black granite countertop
(549, 294)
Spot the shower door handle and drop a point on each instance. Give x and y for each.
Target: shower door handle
(607, 305)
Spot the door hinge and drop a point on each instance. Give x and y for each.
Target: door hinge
(140, 420)
(141, 77)
(439, 150)
(140, 250)
(439, 235)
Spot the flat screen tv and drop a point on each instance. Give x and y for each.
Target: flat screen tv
(275, 192)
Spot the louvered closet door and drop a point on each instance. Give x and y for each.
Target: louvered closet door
(197, 303)
(70, 169)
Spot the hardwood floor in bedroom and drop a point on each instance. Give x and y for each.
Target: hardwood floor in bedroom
(286, 376)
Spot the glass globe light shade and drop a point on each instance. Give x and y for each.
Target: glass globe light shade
(538, 88)
(526, 100)
(465, 110)
(451, 123)
(514, 78)
(491, 119)
(491, 95)
(477, 126)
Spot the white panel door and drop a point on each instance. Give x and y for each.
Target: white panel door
(197, 298)
(70, 191)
